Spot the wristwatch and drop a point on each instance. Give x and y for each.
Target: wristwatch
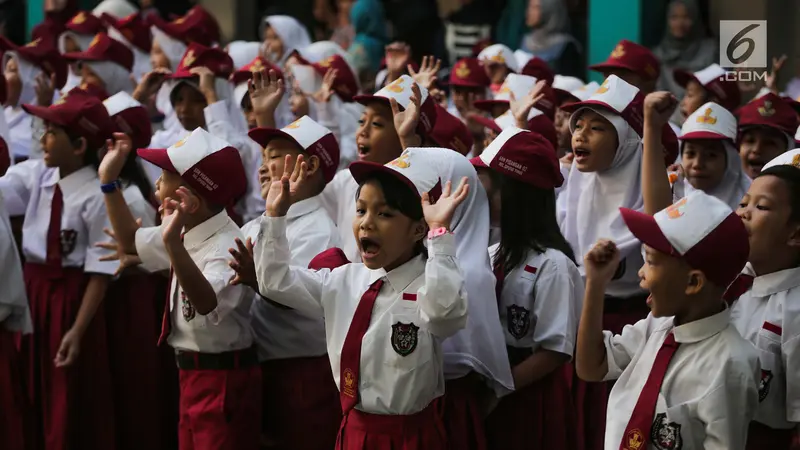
(437, 232)
(112, 187)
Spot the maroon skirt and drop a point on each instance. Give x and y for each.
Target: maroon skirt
(460, 410)
(134, 325)
(591, 399)
(762, 437)
(421, 431)
(301, 407)
(540, 415)
(71, 407)
(14, 419)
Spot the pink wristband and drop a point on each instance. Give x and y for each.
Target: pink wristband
(437, 232)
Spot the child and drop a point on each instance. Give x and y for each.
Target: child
(766, 313)
(241, 80)
(134, 296)
(694, 249)
(711, 84)
(133, 32)
(605, 174)
(243, 52)
(518, 86)
(709, 158)
(633, 63)
(66, 357)
(291, 342)
(568, 93)
(23, 67)
(498, 62)
(283, 35)
(766, 129)
(80, 30)
(540, 294)
(468, 82)
(106, 63)
(206, 321)
(399, 373)
(15, 317)
(450, 132)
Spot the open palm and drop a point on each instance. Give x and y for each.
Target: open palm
(284, 188)
(266, 91)
(440, 213)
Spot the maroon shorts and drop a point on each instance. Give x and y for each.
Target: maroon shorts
(421, 431)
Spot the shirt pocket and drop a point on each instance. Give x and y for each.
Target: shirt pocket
(674, 428)
(768, 343)
(520, 320)
(409, 341)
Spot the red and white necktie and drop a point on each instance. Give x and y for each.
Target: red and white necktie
(637, 433)
(350, 362)
(54, 229)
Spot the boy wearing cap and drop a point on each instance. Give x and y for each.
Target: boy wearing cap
(106, 63)
(766, 129)
(632, 62)
(708, 85)
(291, 343)
(206, 320)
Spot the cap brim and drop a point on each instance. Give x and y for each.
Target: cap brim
(81, 56)
(572, 107)
(646, 230)
(45, 113)
(485, 122)
(564, 96)
(609, 66)
(182, 75)
(478, 163)
(367, 99)
(263, 135)
(682, 77)
(362, 170)
(157, 156)
(465, 84)
(487, 105)
(704, 135)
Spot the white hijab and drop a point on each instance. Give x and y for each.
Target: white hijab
(83, 40)
(731, 188)
(13, 295)
(27, 75)
(17, 123)
(115, 77)
(320, 50)
(117, 8)
(481, 345)
(291, 32)
(224, 90)
(243, 52)
(173, 48)
(588, 209)
(141, 60)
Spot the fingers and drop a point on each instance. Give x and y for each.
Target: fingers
(139, 222)
(462, 190)
(110, 233)
(426, 199)
(447, 187)
(299, 169)
(411, 70)
(250, 246)
(395, 107)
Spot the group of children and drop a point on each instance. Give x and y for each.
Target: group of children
(528, 261)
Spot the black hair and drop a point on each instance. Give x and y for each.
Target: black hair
(531, 225)
(91, 156)
(791, 176)
(400, 197)
(132, 172)
(247, 103)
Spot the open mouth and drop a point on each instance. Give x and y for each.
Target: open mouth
(363, 151)
(581, 153)
(369, 248)
(755, 164)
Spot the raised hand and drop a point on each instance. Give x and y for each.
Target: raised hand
(427, 72)
(175, 212)
(243, 264)
(117, 152)
(602, 261)
(521, 108)
(658, 108)
(440, 214)
(150, 84)
(45, 88)
(325, 92)
(125, 259)
(772, 79)
(397, 55)
(207, 83)
(266, 92)
(405, 122)
(284, 187)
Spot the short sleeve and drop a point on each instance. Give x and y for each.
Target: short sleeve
(17, 184)
(151, 250)
(791, 361)
(555, 304)
(621, 348)
(96, 219)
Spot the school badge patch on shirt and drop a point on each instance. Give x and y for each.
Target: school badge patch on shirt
(763, 385)
(68, 240)
(404, 338)
(666, 435)
(187, 308)
(519, 320)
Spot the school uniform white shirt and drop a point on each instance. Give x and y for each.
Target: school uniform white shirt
(28, 188)
(541, 302)
(19, 131)
(253, 204)
(227, 327)
(14, 312)
(289, 333)
(710, 390)
(428, 297)
(140, 208)
(339, 199)
(767, 316)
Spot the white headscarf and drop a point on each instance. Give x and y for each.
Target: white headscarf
(243, 52)
(115, 77)
(588, 209)
(481, 345)
(141, 60)
(13, 295)
(18, 122)
(83, 40)
(731, 188)
(27, 75)
(224, 90)
(117, 8)
(320, 50)
(291, 32)
(173, 48)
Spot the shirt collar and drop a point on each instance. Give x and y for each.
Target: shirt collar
(205, 230)
(76, 180)
(303, 207)
(402, 276)
(702, 329)
(775, 282)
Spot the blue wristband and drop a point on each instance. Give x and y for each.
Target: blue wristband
(111, 187)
